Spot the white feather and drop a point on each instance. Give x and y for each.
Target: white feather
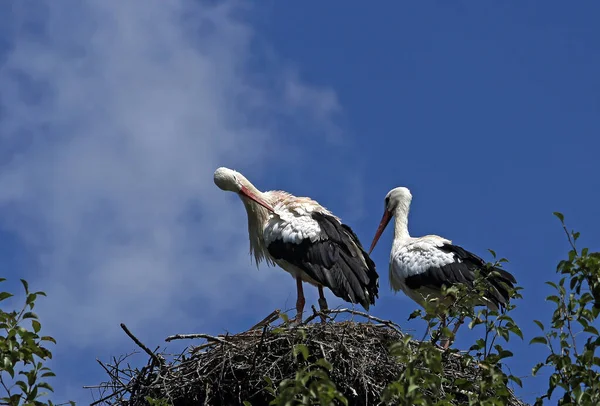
(415, 256)
(291, 225)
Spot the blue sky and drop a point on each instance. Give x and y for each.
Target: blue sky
(114, 115)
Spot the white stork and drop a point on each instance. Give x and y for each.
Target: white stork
(420, 266)
(306, 240)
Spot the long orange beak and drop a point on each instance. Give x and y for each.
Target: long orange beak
(387, 216)
(257, 199)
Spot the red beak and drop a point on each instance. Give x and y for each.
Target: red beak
(255, 198)
(387, 216)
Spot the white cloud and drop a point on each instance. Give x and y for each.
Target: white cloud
(116, 115)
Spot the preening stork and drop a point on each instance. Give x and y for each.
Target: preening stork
(420, 266)
(306, 240)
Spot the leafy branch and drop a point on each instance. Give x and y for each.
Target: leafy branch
(23, 353)
(577, 307)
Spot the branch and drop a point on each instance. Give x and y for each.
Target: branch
(154, 357)
(118, 392)
(388, 323)
(315, 314)
(205, 336)
(267, 320)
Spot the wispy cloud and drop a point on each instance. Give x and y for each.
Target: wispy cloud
(115, 115)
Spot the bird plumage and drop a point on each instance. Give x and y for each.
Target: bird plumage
(305, 239)
(421, 266)
(327, 254)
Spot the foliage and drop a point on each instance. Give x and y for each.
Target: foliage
(23, 353)
(577, 301)
(312, 384)
(422, 380)
(157, 402)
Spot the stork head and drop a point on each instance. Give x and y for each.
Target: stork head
(397, 197)
(232, 181)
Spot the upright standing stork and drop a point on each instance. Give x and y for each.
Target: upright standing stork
(306, 240)
(421, 266)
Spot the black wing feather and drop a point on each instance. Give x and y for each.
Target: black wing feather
(463, 271)
(336, 262)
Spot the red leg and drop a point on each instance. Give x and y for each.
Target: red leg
(444, 341)
(322, 303)
(459, 322)
(300, 302)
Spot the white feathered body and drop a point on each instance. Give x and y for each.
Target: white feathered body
(292, 223)
(310, 243)
(414, 256)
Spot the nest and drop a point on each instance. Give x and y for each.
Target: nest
(231, 369)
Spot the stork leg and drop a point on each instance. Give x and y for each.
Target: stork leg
(444, 341)
(322, 304)
(459, 322)
(300, 302)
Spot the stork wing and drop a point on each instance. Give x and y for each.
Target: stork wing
(461, 269)
(333, 257)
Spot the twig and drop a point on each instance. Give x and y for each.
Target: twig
(142, 346)
(315, 314)
(205, 336)
(111, 374)
(368, 316)
(118, 392)
(258, 350)
(267, 320)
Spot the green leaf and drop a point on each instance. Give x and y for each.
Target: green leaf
(31, 298)
(48, 338)
(45, 386)
(301, 349)
(517, 331)
(540, 324)
(36, 326)
(48, 374)
(5, 295)
(539, 339)
(25, 285)
(560, 216)
(516, 380)
(22, 385)
(537, 367)
(573, 283)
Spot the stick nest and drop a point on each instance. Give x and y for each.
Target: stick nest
(231, 369)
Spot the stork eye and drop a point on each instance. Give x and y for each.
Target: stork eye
(387, 201)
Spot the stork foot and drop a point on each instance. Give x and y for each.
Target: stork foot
(298, 318)
(322, 305)
(445, 343)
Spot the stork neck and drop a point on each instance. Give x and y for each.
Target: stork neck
(401, 223)
(257, 218)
